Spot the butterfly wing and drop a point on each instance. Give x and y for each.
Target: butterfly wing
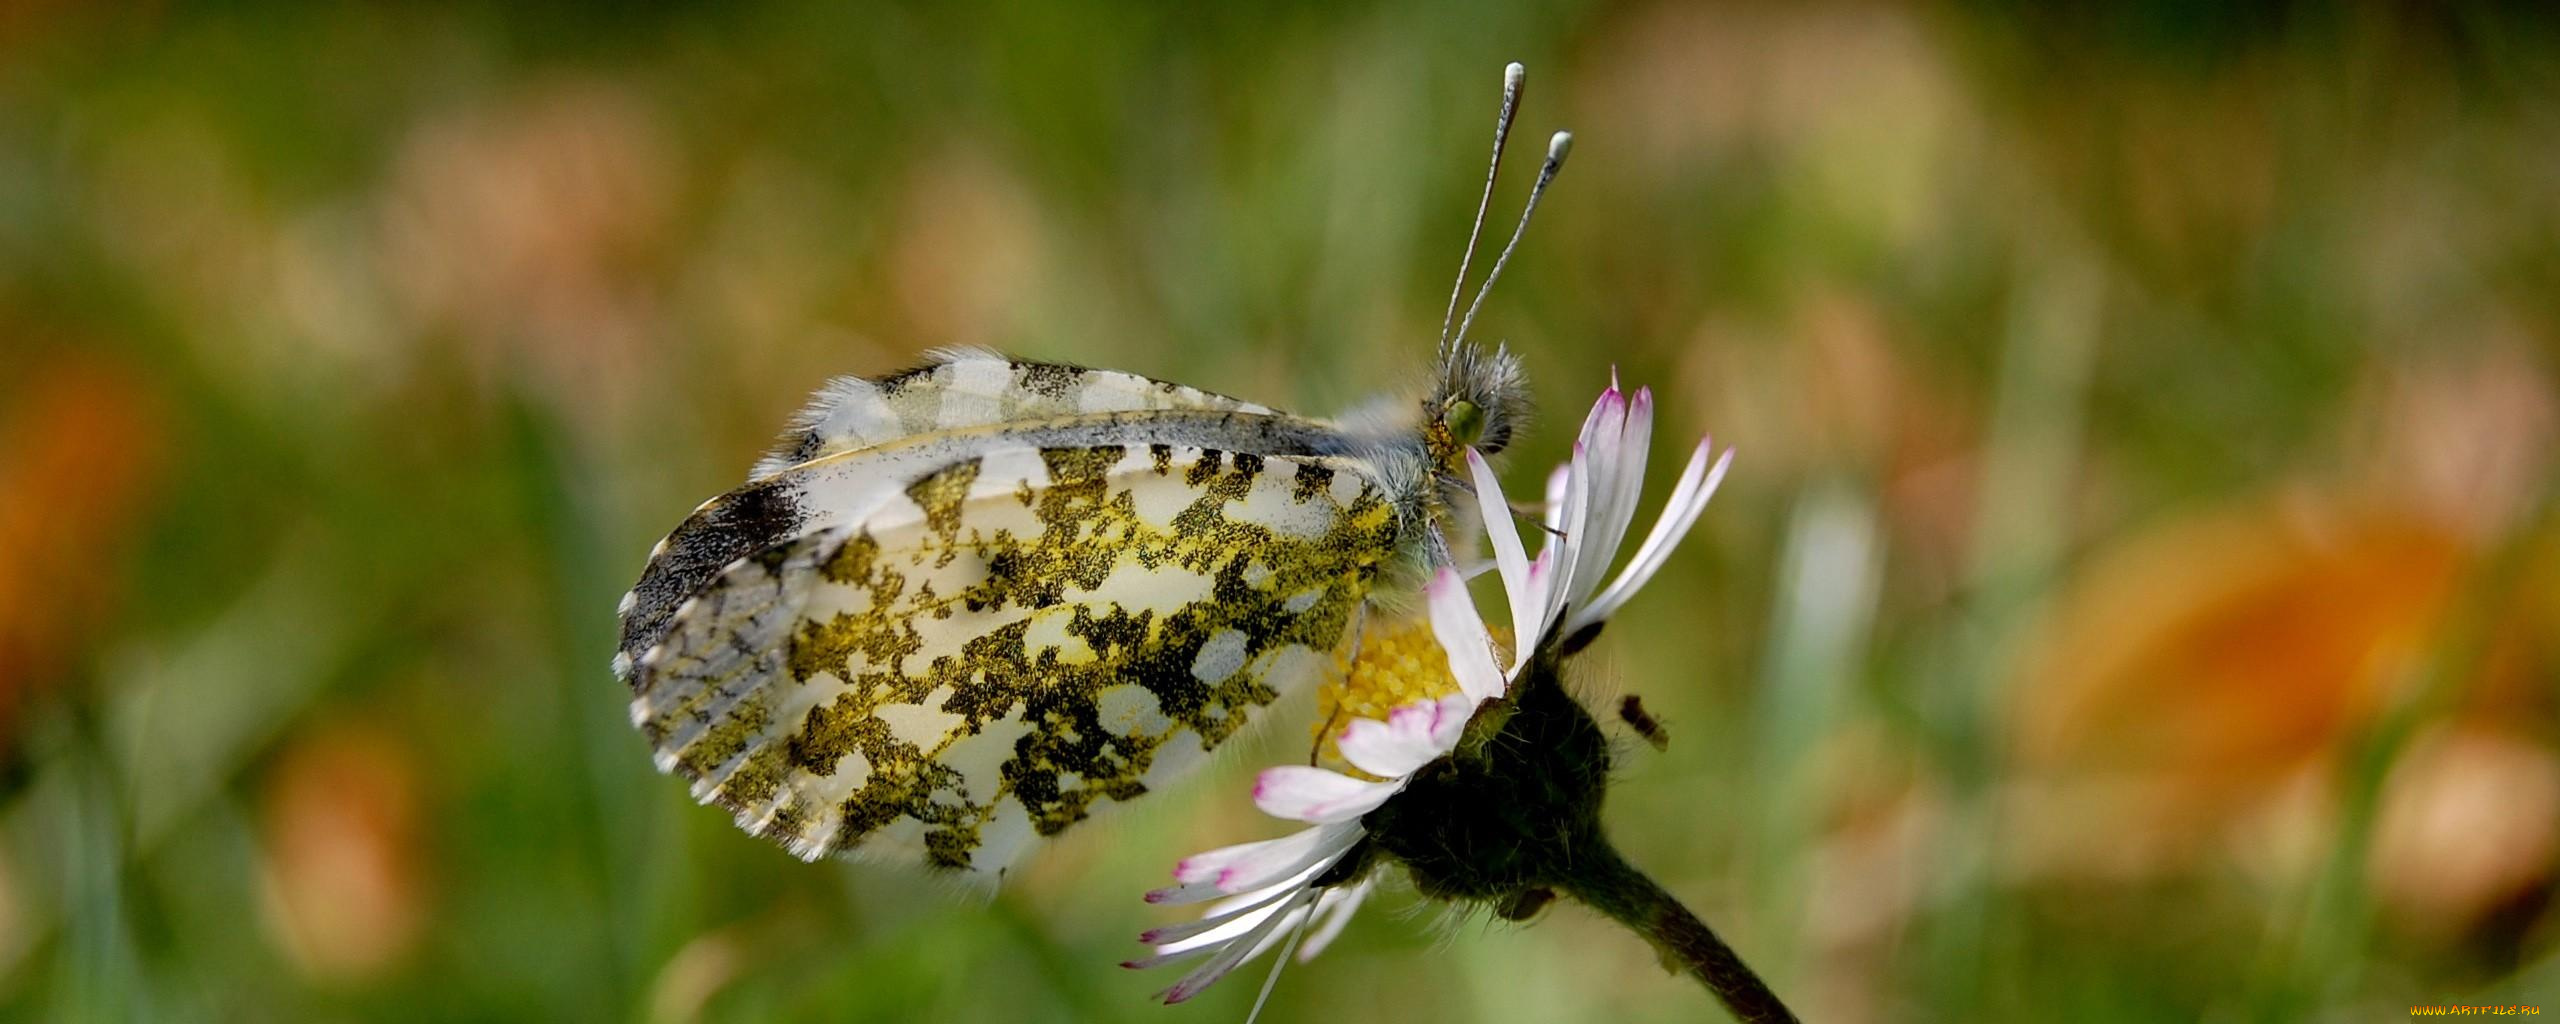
(847, 486)
(1008, 640)
(964, 388)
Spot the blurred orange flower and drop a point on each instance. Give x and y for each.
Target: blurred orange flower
(2203, 691)
(345, 883)
(80, 448)
(2224, 653)
(2201, 682)
(531, 230)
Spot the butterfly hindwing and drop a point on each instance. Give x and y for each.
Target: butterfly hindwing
(1008, 641)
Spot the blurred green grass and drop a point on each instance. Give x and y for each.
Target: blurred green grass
(356, 356)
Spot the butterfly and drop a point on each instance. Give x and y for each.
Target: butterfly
(969, 605)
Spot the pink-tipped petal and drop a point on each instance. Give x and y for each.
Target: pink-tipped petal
(1233, 953)
(1175, 938)
(1338, 906)
(1291, 916)
(1565, 585)
(1306, 793)
(1148, 963)
(1608, 473)
(1508, 553)
(1392, 749)
(1451, 723)
(1540, 595)
(1625, 487)
(1461, 633)
(1557, 480)
(1601, 466)
(1245, 866)
(1207, 864)
(1608, 415)
(1698, 483)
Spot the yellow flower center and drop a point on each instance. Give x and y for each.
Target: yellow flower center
(1399, 662)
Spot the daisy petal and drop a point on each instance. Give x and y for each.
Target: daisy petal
(1563, 587)
(1611, 461)
(1239, 914)
(1451, 723)
(1697, 484)
(1209, 864)
(1291, 917)
(1394, 748)
(1607, 416)
(1339, 904)
(1461, 633)
(1306, 793)
(1623, 486)
(1246, 866)
(1505, 536)
(1175, 956)
(1171, 938)
(1233, 953)
(1553, 519)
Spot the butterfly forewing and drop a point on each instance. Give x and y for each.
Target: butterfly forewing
(845, 487)
(996, 647)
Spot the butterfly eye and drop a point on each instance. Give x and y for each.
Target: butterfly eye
(1465, 420)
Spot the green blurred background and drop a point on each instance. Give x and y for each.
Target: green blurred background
(2137, 596)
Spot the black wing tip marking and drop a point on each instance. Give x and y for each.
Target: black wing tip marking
(736, 525)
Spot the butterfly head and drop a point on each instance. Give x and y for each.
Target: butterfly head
(1479, 400)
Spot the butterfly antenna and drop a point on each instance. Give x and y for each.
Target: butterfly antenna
(1514, 76)
(1557, 147)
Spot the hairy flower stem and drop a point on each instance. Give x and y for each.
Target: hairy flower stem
(1605, 882)
(1517, 820)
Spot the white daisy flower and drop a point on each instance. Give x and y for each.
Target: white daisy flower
(1268, 892)
(1591, 500)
